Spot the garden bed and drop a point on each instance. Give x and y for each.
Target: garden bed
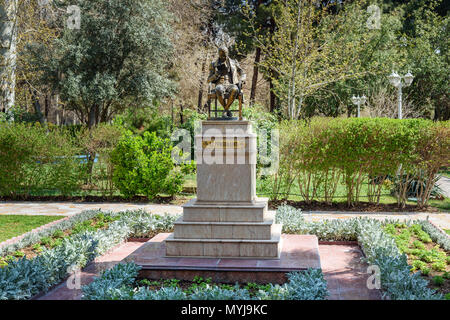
(121, 283)
(343, 206)
(56, 237)
(93, 198)
(431, 258)
(25, 278)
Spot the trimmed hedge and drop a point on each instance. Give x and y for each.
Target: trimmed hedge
(35, 158)
(322, 153)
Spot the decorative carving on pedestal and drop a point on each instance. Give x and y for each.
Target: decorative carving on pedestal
(226, 220)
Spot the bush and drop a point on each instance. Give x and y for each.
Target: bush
(36, 159)
(144, 165)
(100, 142)
(321, 153)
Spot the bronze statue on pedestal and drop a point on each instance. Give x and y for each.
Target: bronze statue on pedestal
(228, 78)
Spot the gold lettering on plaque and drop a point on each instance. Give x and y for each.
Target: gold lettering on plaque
(224, 144)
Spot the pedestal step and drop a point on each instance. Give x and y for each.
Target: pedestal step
(226, 230)
(231, 248)
(195, 211)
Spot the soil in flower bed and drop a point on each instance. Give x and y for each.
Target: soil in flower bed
(342, 206)
(97, 223)
(198, 282)
(92, 198)
(423, 254)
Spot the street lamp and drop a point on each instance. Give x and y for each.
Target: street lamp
(359, 101)
(396, 80)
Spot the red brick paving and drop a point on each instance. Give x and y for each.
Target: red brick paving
(346, 275)
(118, 254)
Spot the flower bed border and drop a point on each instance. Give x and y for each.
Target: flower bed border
(25, 278)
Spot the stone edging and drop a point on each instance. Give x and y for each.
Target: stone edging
(18, 238)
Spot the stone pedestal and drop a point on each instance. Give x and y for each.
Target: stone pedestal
(226, 219)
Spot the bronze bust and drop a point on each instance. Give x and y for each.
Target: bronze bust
(228, 77)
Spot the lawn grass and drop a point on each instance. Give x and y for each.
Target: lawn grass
(15, 225)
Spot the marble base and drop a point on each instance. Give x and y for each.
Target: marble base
(226, 219)
(299, 252)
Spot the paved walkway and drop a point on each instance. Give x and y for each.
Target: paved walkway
(345, 274)
(63, 291)
(71, 208)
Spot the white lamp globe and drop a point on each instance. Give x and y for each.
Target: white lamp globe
(363, 99)
(394, 79)
(408, 78)
(355, 100)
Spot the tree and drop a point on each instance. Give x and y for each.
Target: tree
(117, 57)
(193, 36)
(429, 60)
(241, 18)
(8, 57)
(314, 47)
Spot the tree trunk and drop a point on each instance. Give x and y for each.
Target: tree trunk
(8, 34)
(255, 76)
(37, 107)
(291, 93)
(273, 107)
(92, 121)
(47, 106)
(181, 114)
(201, 85)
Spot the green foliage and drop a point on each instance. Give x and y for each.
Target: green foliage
(118, 57)
(35, 158)
(19, 254)
(58, 234)
(322, 153)
(141, 119)
(439, 281)
(23, 278)
(14, 225)
(144, 165)
(37, 248)
(117, 284)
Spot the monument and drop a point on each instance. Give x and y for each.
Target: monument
(227, 232)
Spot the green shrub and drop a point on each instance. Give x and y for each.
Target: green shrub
(321, 153)
(439, 266)
(425, 271)
(35, 160)
(46, 241)
(418, 265)
(144, 165)
(418, 244)
(19, 254)
(100, 142)
(437, 280)
(58, 234)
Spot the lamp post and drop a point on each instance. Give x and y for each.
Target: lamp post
(396, 80)
(359, 101)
